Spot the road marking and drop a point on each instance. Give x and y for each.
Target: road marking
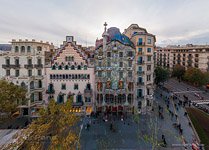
(188, 92)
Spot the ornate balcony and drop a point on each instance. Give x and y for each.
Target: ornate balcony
(140, 72)
(141, 44)
(88, 92)
(28, 66)
(38, 66)
(78, 103)
(140, 62)
(140, 83)
(7, 66)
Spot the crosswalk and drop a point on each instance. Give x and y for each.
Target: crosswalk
(187, 92)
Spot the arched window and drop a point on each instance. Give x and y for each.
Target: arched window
(23, 85)
(85, 67)
(72, 67)
(16, 49)
(66, 67)
(60, 76)
(53, 67)
(66, 76)
(79, 67)
(60, 67)
(39, 84)
(28, 49)
(22, 49)
(63, 76)
(32, 85)
(88, 76)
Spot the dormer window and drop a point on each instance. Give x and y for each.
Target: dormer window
(69, 58)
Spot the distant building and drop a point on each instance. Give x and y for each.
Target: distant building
(24, 66)
(71, 74)
(5, 47)
(124, 70)
(189, 55)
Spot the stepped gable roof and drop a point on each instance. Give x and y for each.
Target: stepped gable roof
(73, 44)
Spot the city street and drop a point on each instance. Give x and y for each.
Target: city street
(130, 135)
(193, 93)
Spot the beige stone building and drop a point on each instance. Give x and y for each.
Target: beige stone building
(189, 55)
(24, 66)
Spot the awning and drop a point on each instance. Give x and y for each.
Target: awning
(16, 114)
(89, 110)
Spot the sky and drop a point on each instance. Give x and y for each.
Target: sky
(172, 21)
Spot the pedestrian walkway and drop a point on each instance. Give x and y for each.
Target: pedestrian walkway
(187, 133)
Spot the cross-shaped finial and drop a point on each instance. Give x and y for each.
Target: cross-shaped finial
(105, 24)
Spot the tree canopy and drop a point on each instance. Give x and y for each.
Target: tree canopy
(178, 71)
(196, 76)
(11, 96)
(161, 75)
(56, 128)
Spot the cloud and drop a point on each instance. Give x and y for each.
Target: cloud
(51, 20)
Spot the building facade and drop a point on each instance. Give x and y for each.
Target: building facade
(24, 66)
(71, 73)
(189, 55)
(124, 70)
(144, 44)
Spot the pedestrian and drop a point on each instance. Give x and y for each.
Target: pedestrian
(181, 131)
(163, 136)
(111, 126)
(165, 143)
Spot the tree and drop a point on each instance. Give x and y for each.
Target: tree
(161, 75)
(11, 96)
(196, 76)
(56, 128)
(178, 71)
